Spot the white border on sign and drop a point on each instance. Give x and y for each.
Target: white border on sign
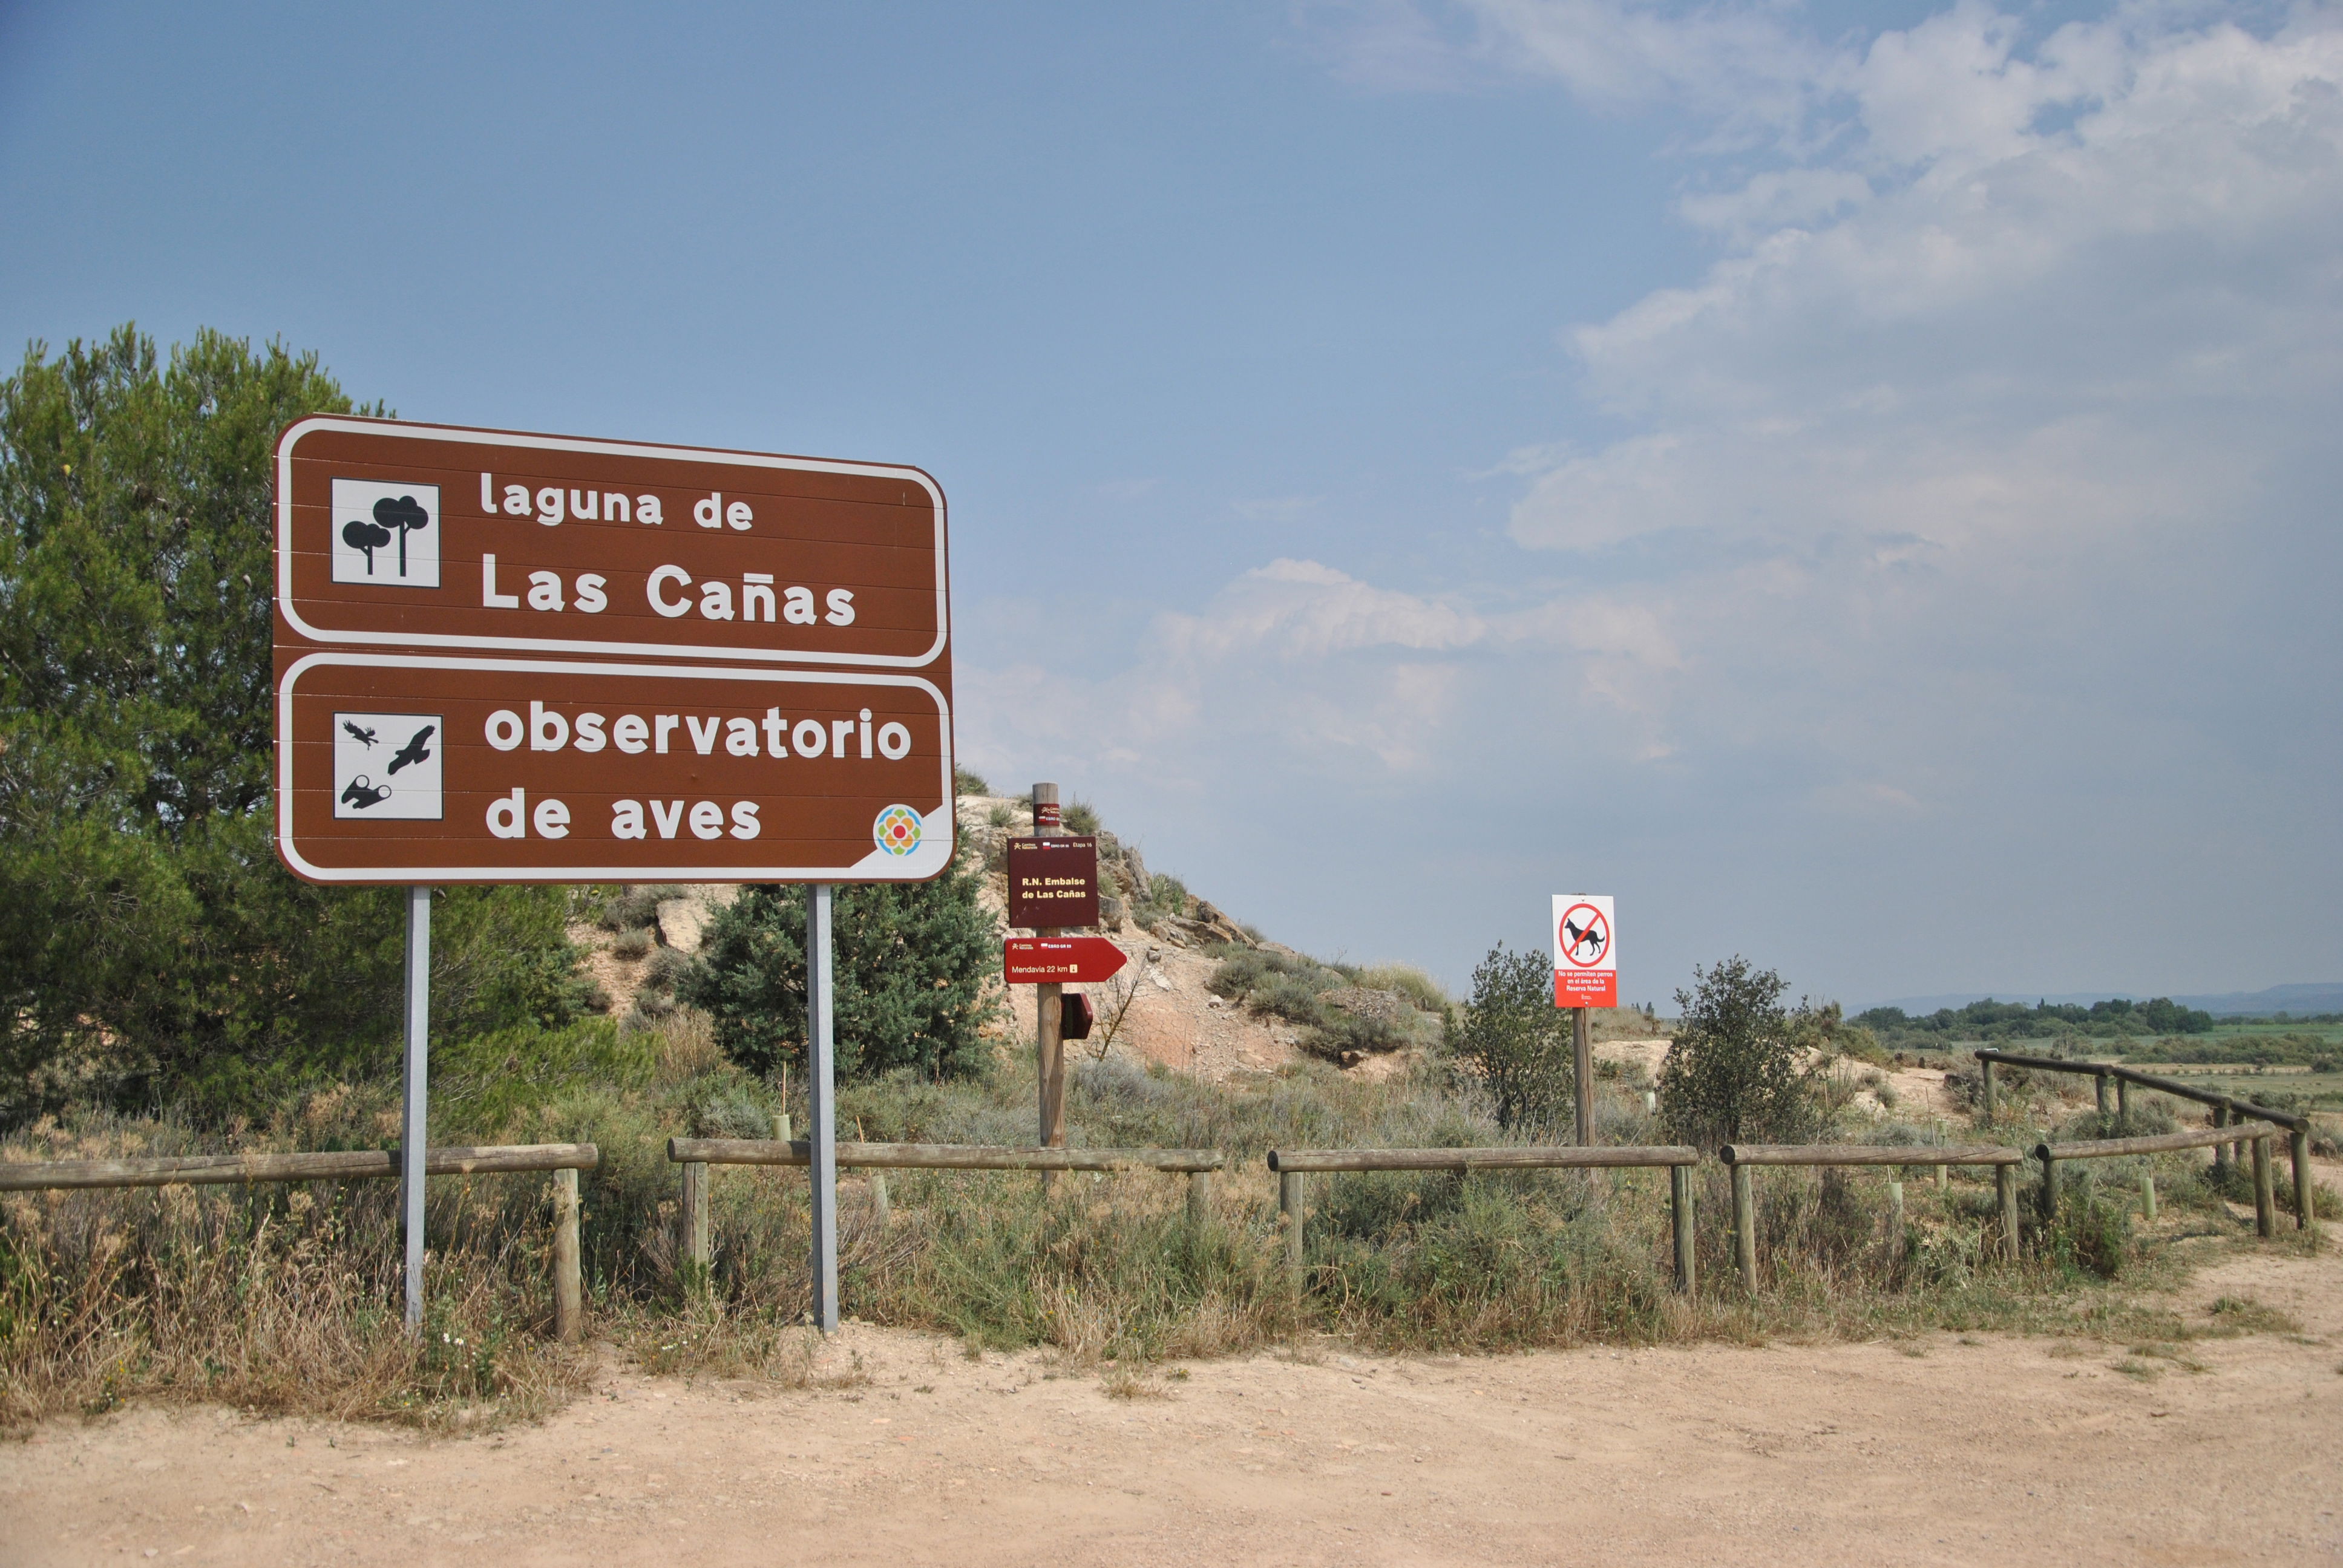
(938, 828)
(399, 428)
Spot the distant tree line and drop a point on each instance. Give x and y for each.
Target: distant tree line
(1991, 1020)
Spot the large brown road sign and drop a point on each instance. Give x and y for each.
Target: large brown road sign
(442, 537)
(429, 768)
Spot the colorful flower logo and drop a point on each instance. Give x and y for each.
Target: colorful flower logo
(897, 830)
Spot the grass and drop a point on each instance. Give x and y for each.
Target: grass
(280, 1299)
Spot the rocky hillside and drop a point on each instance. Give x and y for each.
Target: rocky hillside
(1202, 993)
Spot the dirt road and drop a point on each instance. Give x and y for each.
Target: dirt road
(1950, 1450)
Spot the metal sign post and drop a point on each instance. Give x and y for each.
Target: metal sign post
(416, 1133)
(821, 1096)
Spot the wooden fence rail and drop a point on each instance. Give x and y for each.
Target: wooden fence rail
(2227, 1110)
(563, 1160)
(2264, 1199)
(695, 1155)
(1291, 1164)
(1740, 1157)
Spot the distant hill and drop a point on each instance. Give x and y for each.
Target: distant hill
(2290, 998)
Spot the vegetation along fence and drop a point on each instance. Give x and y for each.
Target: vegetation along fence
(2264, 1203)
(1291, 1164)
(563, 1160)
(2227, 1111)
(1740, 1157)
(697, 1154)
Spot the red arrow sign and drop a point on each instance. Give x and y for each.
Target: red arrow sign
(1037, 961)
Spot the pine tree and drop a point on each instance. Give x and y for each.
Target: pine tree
(914, 989)
(150, 942)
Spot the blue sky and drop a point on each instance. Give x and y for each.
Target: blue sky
(1856, 483)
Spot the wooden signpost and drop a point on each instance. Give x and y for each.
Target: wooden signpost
(506, 658)
(1053, 888)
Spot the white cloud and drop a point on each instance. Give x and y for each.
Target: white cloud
(1302, 610)
(1933, 545)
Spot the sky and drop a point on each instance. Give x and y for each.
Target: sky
(1856, 483)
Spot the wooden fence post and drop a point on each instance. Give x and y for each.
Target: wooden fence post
(2123, 1103)
(2220, 1151)
(2004, 1187)
(1680, 1215)
(568, 1289)
(1200, 1196)
(1744, 1228)
(2265, 1201)
(2305, 1190)
(2147, 1196)
(881, 1212)
(2099, 1087)
(694, 1218)
(1289, 1215)
(2049, 1188)
(1987, 1065)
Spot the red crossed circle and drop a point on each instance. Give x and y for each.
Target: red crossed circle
(1594, 924)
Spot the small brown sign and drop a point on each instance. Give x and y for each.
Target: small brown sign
(416, 768)
(434, 537)
(1053, 882)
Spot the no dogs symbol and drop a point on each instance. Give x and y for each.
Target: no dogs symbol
(1585, 936)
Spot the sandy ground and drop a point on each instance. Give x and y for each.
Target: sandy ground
(1946, 1450)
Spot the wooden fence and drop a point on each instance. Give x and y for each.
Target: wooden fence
(697, 1154)
(563, 1160)
(2227, 1110)
(1291, 1164)
(2264, 1199)
(1740, 1157)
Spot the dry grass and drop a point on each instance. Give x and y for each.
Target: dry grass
(282, 1300)
(278, 1300)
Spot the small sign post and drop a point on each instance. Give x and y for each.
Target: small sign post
(1585, 974)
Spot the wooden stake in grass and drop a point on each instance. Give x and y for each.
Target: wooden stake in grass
(693, 1219)
(1289, 1216)
(568, 1289)
(2005, 1188)
(2306, 1188)
(1745, 1229)
(2264, 1199)
(1681, 1222)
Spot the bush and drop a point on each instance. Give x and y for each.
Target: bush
(151, 945)
(916, 965)
(968, 781)
(1518, 1042)
(1743, 1067)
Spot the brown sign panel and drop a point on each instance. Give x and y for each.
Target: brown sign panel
(439, 537)
(1053, 882)
(417, 767)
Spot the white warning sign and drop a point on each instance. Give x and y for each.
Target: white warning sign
(1586, 951)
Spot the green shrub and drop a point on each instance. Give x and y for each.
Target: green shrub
(1743, 1067)
(1518, 1042)
(152, 947)
(915, 962)
(968, 781)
